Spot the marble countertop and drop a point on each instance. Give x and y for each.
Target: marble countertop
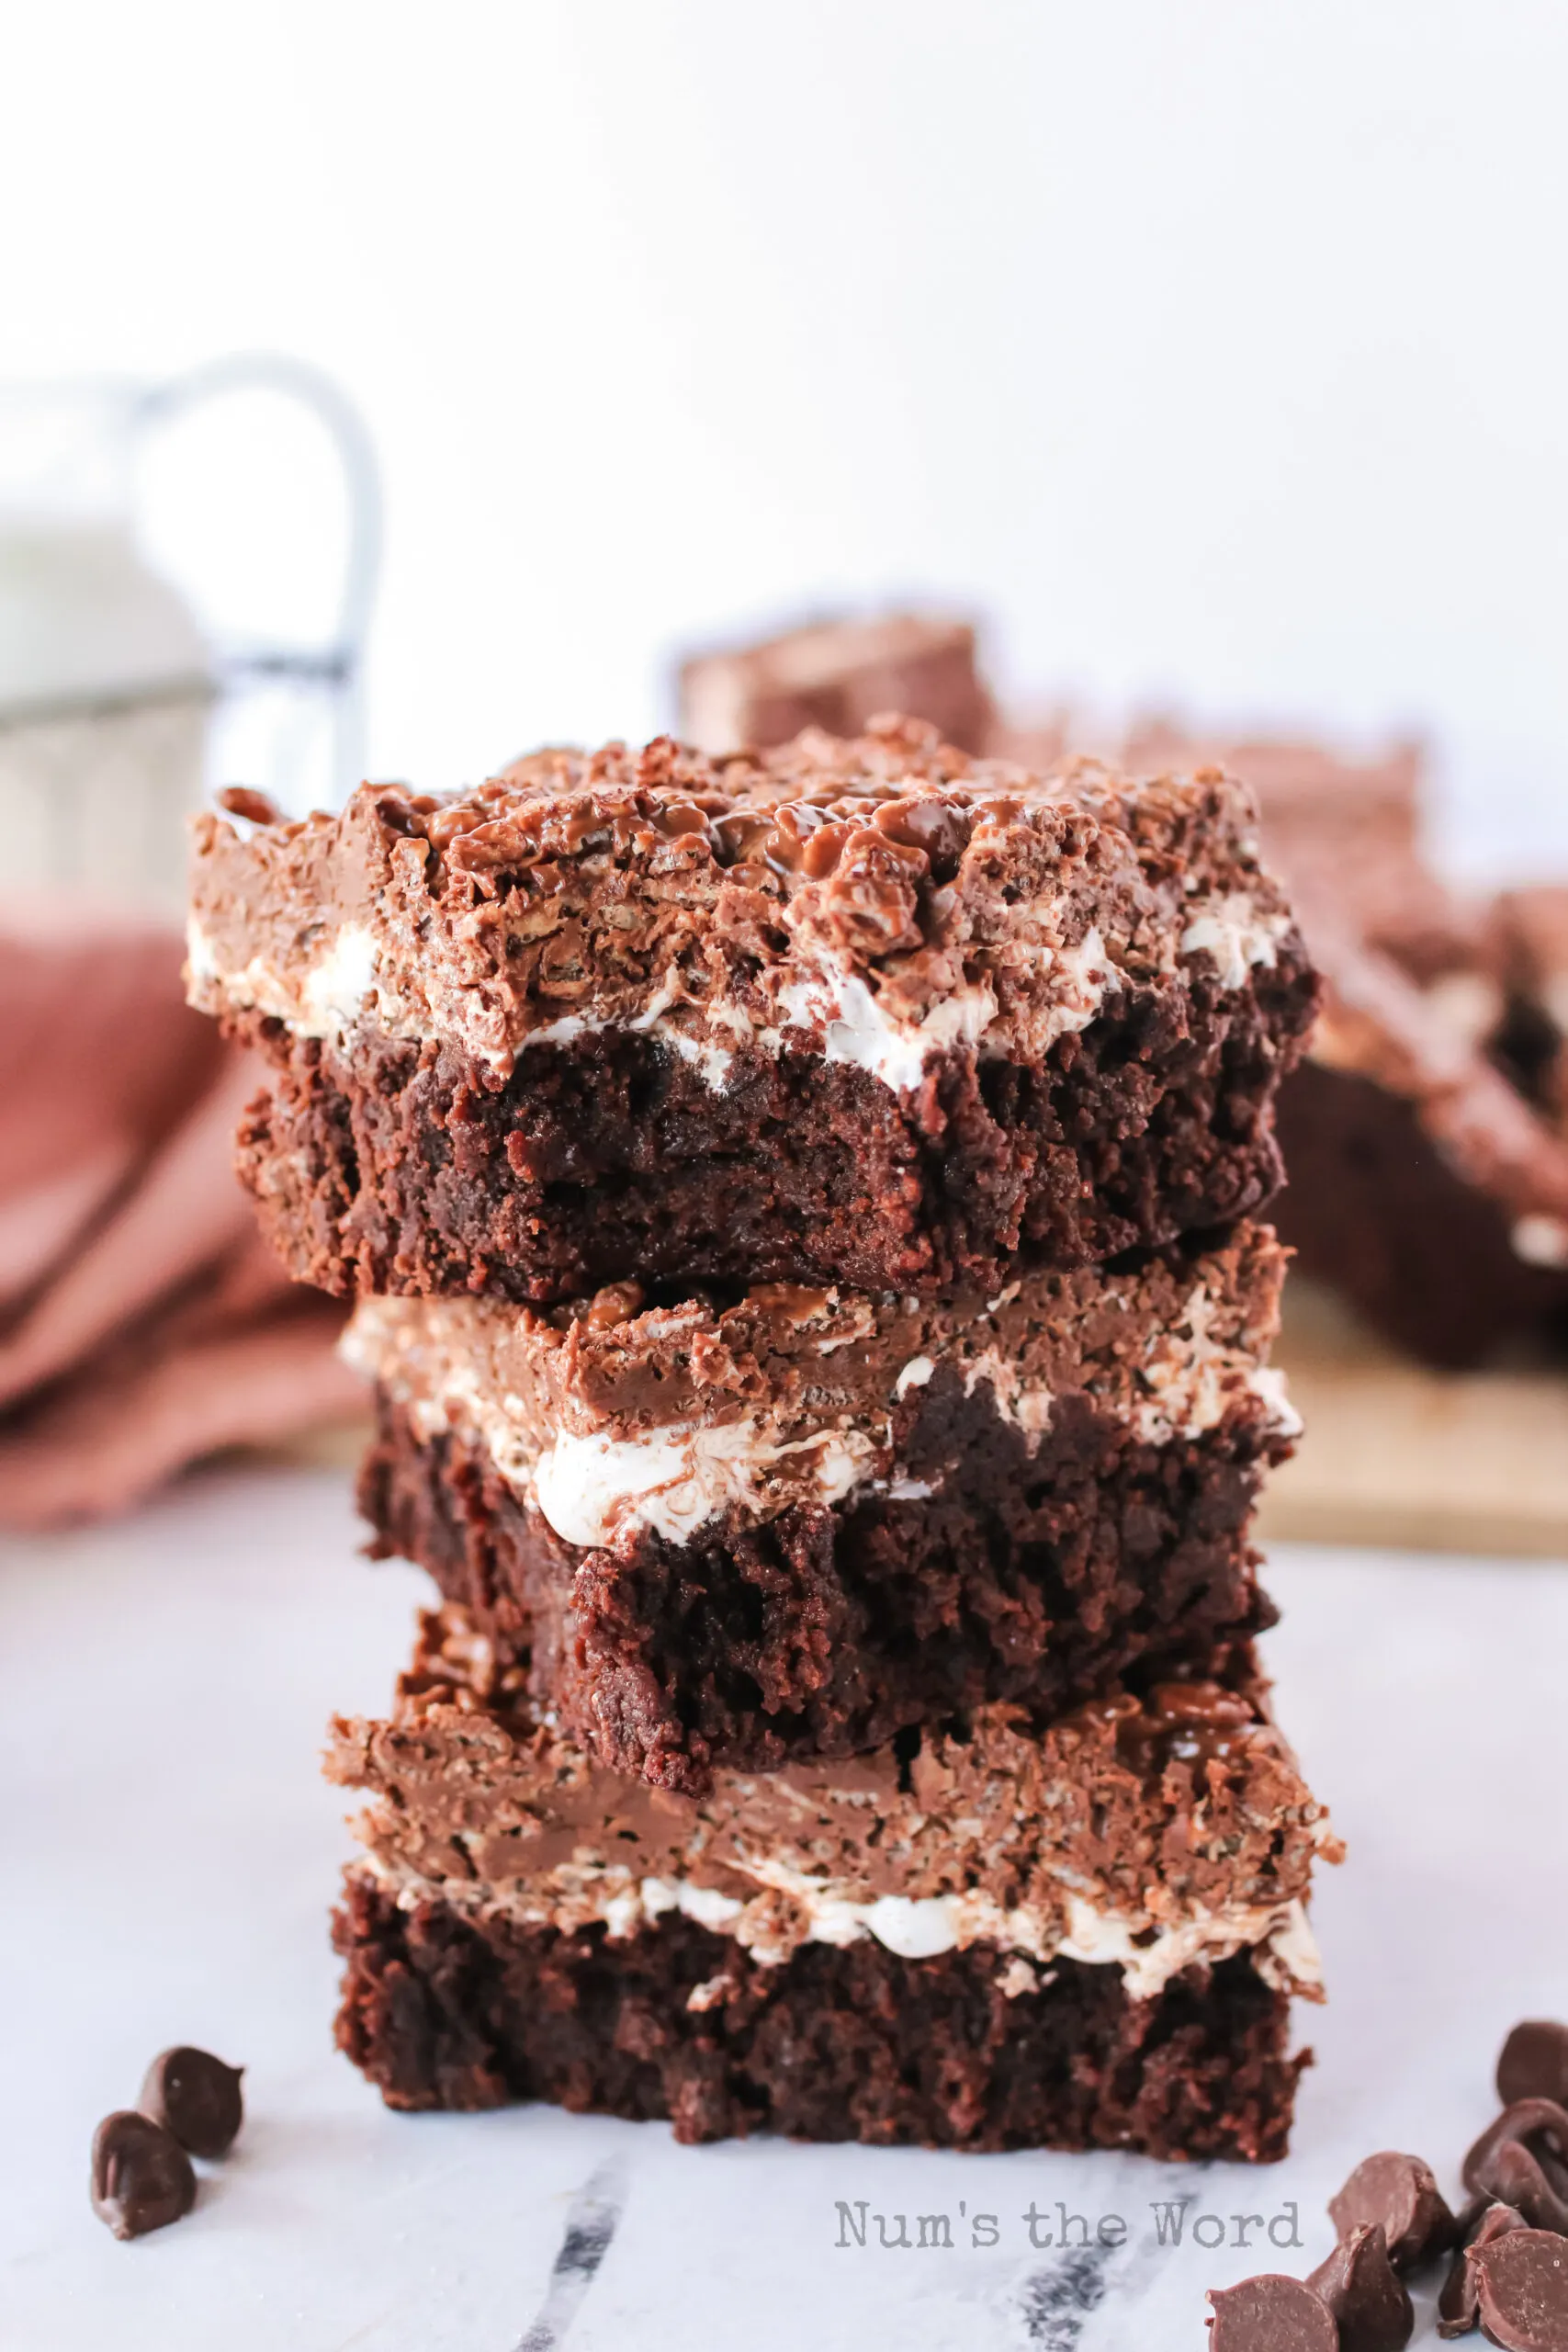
(170, 1854)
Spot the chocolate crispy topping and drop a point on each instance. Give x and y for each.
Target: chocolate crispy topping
(1184, 1722)
(468, 1787)
(255, 808)
(812, 807)
(650, 885)
(804, 1361)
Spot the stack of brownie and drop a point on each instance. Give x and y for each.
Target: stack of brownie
(801, 1211)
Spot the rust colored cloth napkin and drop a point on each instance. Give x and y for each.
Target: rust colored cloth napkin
(143, 1324)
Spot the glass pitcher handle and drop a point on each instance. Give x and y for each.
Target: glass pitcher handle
(339, 663)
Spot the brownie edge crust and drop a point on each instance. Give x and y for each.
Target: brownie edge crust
(841, 2043)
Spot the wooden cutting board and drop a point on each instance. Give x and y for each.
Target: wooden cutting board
(1395, 1454)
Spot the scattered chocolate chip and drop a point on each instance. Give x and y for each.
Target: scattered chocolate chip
(1513, 2176)
(1271, 2313)
(1455, 2304)
(1399, 2194)
(238, 800)
(142, 2177)
(198, 2096)
(1365, 2293)
(1534, 2062)
(1521, 2281)
(1539, 2123)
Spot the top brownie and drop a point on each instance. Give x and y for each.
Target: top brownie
(870, 1012)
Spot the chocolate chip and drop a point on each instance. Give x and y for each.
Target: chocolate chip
(1512, 2174)
(197, 2098)
(1271, 2313)
(1364, 2292)
(142, 2177)
(1539, 2123)
(1457, 2305)
(1534, 2062)
(1399, 2193)
(1522, 2290)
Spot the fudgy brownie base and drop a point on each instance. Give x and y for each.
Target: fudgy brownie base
(386, 1166)
(1374, 1209)
(833, 1628)
(826, 1630)
(443, 2010)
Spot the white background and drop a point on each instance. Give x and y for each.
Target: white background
(1218, 348)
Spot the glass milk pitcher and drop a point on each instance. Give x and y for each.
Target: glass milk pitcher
(108, 686)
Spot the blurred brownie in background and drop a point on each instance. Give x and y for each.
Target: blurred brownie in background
(1530, 935)
(838, 675)
(1316, 802)
(1422, 1185)
(1426, 1187)
(1426, 1133)
(1346, 833)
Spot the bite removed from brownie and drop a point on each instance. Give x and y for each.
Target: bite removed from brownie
(997, 1935)
(870, 1012)
(803, 1522)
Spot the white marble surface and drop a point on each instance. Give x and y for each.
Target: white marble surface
(169, 1854)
